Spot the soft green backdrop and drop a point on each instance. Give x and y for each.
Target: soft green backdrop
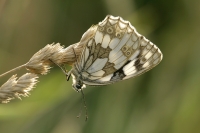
(163, 100)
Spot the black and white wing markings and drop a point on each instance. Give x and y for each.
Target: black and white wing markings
(84, 40)
(93, 60)
(116, 52)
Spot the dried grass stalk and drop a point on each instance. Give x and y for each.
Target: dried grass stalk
(15, 88)
(40, 63)
(55, 53)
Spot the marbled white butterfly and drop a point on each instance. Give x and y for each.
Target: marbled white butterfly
(113, 51)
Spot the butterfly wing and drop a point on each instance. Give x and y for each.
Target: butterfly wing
(116, 52)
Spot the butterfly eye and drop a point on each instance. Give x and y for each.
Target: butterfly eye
(110, 30)
(77, 87)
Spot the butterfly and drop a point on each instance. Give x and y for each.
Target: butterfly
(113, 51)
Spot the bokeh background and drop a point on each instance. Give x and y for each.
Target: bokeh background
(163, 100)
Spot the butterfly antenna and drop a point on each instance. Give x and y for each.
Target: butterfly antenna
(84, 104)
(80, 113)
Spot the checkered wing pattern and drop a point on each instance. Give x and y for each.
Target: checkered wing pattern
(115, 52)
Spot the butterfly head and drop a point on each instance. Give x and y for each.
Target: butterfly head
(77, 83)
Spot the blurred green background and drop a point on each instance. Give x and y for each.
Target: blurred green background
(163, 100)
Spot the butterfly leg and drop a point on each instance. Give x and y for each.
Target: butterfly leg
(62, 67)
(68, 75)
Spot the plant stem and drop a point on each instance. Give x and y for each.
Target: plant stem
(12, 70)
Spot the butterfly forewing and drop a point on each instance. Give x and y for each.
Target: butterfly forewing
(115, 52)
